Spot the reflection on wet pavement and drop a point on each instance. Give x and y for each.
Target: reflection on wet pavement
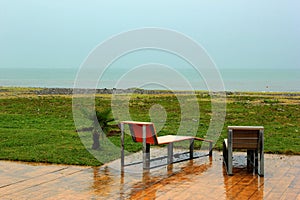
(202, 178)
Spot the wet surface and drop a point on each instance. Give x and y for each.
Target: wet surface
(201, 178)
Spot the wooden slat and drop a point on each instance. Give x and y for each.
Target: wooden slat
(246, 127)
(172, 138)
(245, 140)
(244, 145)
(246, 134)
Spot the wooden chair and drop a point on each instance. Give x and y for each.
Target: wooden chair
(144, 132)
(250, 138)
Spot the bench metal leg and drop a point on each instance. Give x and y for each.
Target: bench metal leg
(224, 152)
(261, 163)
(122, 147)
(256, 161)
(229, 155)
(146, 150)
(250, 159)
(170, 153)
(261, 153)
(210, 149)
(146, 157)
(192, 149)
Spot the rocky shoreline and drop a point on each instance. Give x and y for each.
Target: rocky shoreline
(69, 91)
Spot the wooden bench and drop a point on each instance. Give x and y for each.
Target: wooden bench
(144, 132)
(250, 138)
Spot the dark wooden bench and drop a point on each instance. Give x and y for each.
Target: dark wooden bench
(144, 132)
(250, 138)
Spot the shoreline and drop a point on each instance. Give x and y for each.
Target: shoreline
(69, 91)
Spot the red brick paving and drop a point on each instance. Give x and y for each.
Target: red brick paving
(202, 178)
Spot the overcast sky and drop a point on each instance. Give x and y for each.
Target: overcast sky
(236, 34)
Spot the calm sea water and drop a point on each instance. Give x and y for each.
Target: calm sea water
(234, 79)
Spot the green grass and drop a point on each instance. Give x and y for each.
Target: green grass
(41, 128)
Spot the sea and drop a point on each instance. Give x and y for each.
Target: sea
(234, 79)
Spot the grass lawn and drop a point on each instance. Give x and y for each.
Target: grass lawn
(40, 128)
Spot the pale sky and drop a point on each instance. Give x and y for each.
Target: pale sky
(236, 34)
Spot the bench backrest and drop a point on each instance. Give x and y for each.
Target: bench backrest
(245, 139)
(136, 131)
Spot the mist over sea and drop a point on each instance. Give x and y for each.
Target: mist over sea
(282, 80)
